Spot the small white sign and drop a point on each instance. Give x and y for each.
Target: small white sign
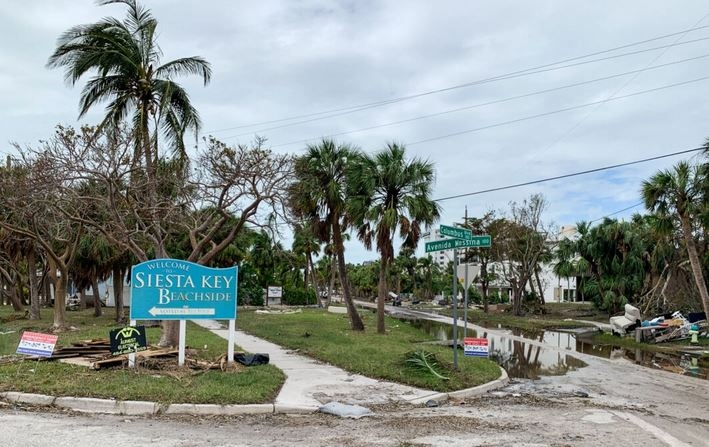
(36, 343)
(476, 347)
(275, 292)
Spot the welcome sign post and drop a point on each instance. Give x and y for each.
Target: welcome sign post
(172, 289)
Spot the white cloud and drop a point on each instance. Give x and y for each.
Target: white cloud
(278, 59)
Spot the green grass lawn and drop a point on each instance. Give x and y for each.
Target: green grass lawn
(507, 320)
(327, 337)
(239, 385)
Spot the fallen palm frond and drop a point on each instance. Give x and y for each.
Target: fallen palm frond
(425, 361)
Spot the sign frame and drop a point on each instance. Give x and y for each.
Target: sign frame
(481, 241)
(165, 280)
(37, 344)
(476, 347)
(173, 289)
(456, 232)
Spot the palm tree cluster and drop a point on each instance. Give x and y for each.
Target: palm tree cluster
(339, 187)
(657, 261)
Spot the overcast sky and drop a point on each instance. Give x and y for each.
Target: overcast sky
(275, 60)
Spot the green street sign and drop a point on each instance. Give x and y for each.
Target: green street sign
(484, 241)
(458, 233)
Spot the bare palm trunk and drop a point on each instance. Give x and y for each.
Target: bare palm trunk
(60, 277)
(694, 262)
(314, 279)
(381, 294)
(97, 299)
(355, 319)
(34, 284)
(118, 275)
(539, 287)
(11, 291)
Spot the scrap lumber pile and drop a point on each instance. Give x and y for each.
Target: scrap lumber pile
(120, 360)
(84, 348)
(98, 353)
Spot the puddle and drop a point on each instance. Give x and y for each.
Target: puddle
(524, 360)
(520, 359)
(680, 363)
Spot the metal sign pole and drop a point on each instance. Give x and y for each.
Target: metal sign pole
(181, 353)
(131, 356)
(455, 308)
(232, 340)
(465, 283)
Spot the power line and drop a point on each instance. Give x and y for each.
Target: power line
(497, 101)
(524, 72)
(580, 122)
(589, 171)
(553, 112)
(616, 212)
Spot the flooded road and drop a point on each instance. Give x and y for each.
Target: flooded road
(535, 354)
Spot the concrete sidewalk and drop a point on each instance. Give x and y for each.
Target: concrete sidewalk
(310, 384)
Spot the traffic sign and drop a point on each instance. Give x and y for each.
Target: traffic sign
(172, 289)
(458, 233)
(484, 241)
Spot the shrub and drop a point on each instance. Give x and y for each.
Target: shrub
(297, 296)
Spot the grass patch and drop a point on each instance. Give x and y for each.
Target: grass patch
(327, 337)
(526, 322)
(239, 385)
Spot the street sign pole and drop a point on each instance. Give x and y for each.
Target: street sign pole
(465, 282)
(455, 308)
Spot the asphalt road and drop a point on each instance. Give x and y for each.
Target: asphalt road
(608, 402)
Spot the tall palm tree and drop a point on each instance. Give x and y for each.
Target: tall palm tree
(306, 243)
(126, 60)
(680, 192)
(391, 194)
(319, 195)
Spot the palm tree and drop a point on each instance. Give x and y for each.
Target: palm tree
(680, 192)
(319, 195)
(390, 194)
(305, 243)
(126, 60)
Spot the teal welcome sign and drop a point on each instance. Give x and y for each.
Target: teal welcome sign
(172, 289)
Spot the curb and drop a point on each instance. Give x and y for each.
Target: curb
(144, 408)
(479, 390)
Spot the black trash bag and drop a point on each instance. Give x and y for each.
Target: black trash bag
(251, 359)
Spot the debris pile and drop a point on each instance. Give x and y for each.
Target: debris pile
(661, 328)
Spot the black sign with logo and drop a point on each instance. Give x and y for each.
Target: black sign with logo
(128, 339)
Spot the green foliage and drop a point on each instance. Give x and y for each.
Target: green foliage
(610, 259)
(250, 292)
(425, 361)
(298, 296)
(474, 295)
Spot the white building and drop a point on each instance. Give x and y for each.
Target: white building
(556, 289)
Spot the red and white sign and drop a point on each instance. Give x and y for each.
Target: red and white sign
(36, 343)
(476, 347)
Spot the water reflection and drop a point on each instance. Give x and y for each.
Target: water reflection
(524, 360)
(680, 363)
(520, 359)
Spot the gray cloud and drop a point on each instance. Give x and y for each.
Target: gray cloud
(280, 58)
